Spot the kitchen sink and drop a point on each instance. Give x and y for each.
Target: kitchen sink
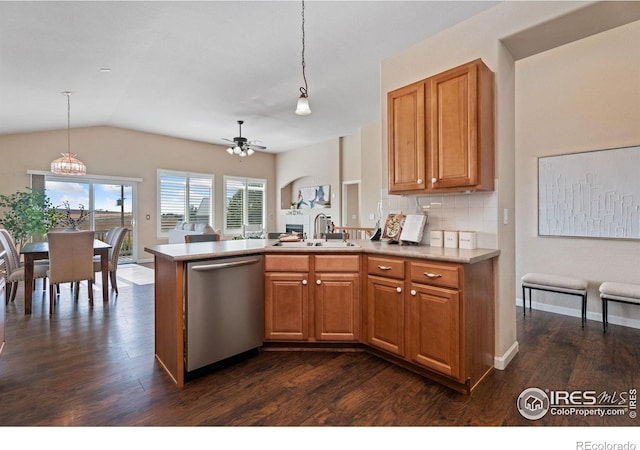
(326, 244)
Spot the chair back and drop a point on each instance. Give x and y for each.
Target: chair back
(70, 256)
(201, 237)
(13, 257)
(115, 237)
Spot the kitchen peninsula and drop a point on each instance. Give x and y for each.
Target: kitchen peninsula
(428, 309)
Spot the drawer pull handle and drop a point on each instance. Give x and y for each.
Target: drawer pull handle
(432, 275)
(385, 267)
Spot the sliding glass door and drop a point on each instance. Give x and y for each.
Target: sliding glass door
(111, 204)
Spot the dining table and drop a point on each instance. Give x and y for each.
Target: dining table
(34, 251)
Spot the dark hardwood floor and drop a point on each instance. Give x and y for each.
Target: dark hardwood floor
(94, 366)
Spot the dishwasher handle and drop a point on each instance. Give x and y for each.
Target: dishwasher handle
(225, 265)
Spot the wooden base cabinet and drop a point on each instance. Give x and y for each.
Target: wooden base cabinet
(437, 320)
(312, 298)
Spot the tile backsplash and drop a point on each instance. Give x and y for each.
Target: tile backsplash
(473, 211)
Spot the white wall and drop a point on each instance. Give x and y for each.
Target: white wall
(578, 97)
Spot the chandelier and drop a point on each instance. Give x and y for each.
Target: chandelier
(68, 164)
(302, 108)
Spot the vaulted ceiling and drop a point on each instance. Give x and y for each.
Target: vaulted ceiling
(193, 69)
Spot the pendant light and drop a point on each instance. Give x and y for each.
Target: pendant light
(302, 109)
(68, 164)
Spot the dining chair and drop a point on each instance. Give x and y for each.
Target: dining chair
(70, 260)
(15, 270)
(201, 237)
(114, 237)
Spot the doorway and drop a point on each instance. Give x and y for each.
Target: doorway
(351, 203)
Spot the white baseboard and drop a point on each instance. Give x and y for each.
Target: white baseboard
(574, 312)
(501, 362)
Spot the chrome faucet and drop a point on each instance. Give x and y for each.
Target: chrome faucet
(316, 235)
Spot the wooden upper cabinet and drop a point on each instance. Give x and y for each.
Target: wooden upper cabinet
(441, 132)
(460, 138)
(406, 128)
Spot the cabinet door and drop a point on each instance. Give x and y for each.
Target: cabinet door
(337, 297)
(406, 128)
(453, 136)
(434, 329)
(385, 314)
(286, 315)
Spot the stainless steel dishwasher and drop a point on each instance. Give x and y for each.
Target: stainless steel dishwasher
(224, 309)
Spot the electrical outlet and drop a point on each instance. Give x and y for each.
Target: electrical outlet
(505, 216)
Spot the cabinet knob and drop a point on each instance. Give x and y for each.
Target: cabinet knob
(413, 292)
(419, 181)
(304, 282)
(434, 179)
(318, 281)
(398, 290)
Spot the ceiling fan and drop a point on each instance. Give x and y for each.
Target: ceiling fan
(243, 147)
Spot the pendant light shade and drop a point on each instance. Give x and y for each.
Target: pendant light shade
(68, 164)
(302, 109)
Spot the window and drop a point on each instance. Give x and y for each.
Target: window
(245, 204)
(184, 197)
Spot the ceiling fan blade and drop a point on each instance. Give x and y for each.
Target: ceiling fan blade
(228, 140)
(257, 147)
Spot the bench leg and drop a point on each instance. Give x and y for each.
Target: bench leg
(524, 302)
(584, 309)
(605, 319)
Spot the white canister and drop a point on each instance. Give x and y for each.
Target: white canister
(437, 238)
(451, 239)
(467, 239)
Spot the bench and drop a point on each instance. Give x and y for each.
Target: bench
(555, 283)
(617, 292)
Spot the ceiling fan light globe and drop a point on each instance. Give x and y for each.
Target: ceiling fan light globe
(230, 151)
(302, 108)
(237, 150)
(250, 152)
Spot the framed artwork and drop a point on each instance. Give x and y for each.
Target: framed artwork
(592, 194)
(314, 197)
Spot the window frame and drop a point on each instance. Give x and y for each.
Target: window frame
(187, 175)
(245, 210)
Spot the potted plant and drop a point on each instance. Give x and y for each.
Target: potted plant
(27, 214)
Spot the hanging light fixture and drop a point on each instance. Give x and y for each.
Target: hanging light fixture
(302, 109)
(68, 164)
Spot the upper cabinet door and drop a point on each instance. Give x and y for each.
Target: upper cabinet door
(460, 124)
(406, 133)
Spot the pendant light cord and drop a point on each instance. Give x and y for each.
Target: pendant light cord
(303, 90)
(68, 94)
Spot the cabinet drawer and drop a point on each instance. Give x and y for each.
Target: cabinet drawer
(386, 267)
(447, 275)
(337, 263)
(286, 263)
